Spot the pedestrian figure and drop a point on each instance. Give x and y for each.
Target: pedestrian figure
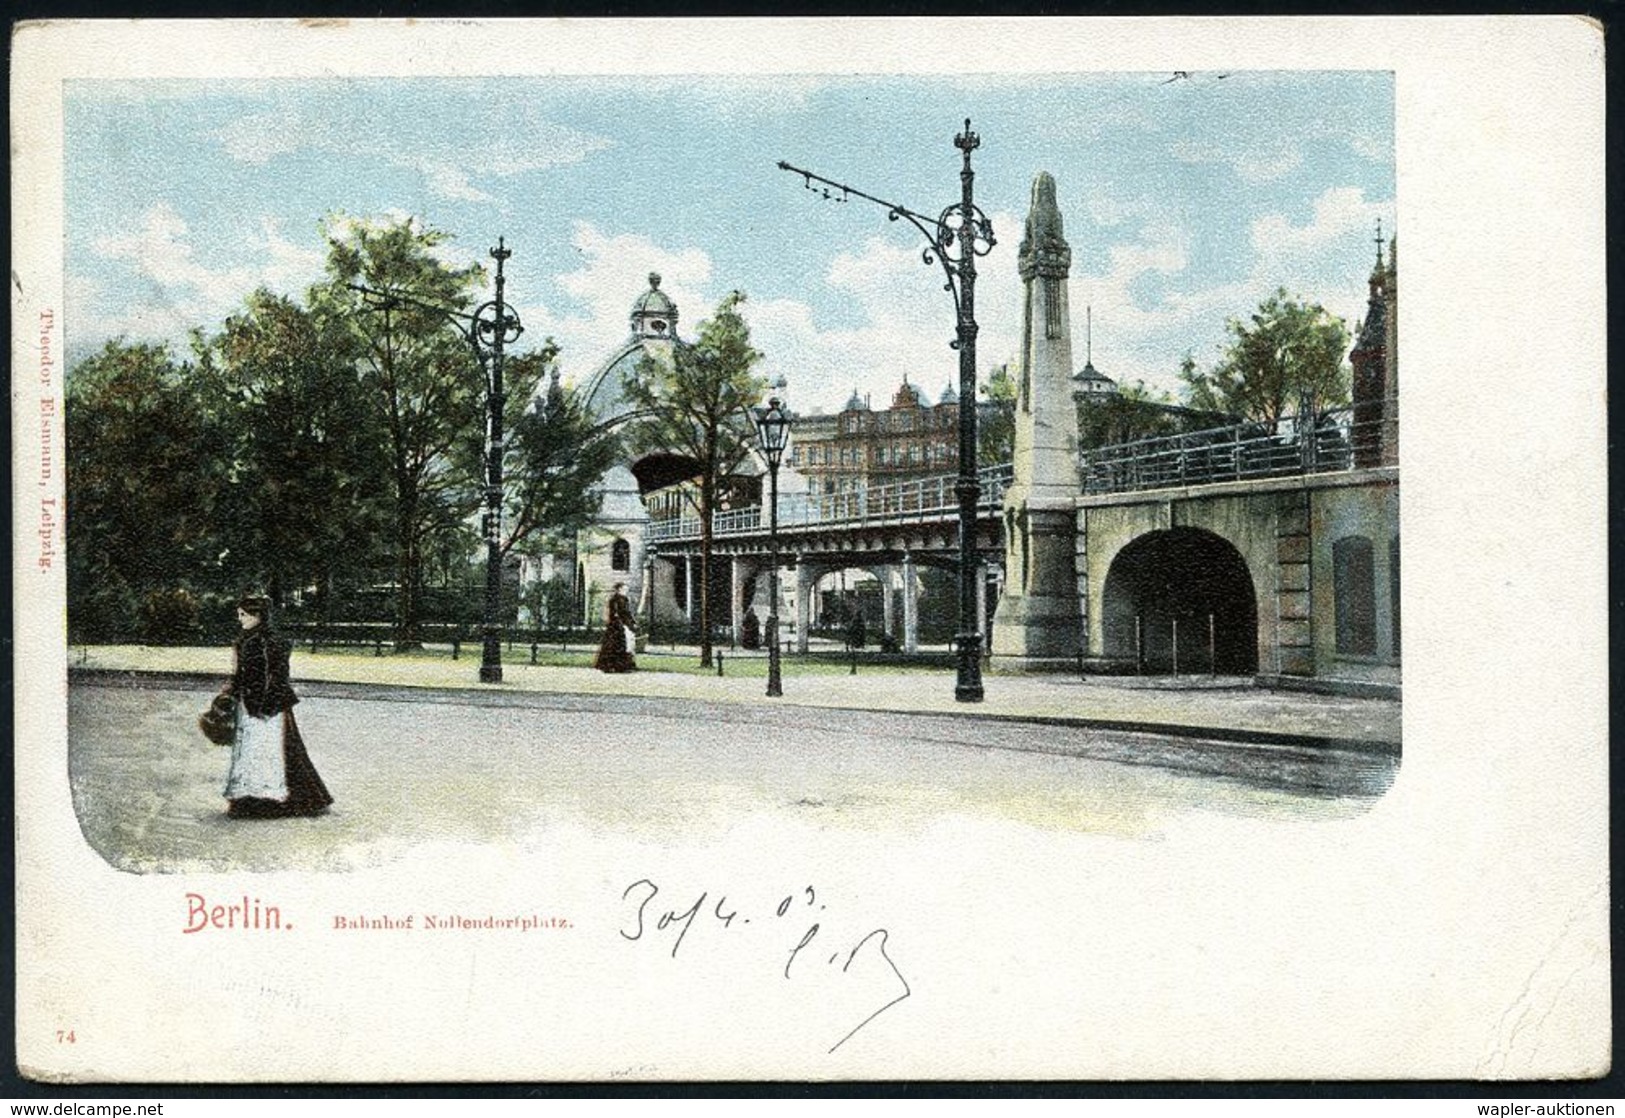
(856, 631)
(271, 774)
(615, 650)
(750, 631)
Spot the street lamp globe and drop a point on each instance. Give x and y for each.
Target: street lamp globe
(773, 428)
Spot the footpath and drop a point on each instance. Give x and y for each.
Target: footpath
(1189, 706)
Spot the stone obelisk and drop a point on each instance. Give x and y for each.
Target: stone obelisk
(1038, 623)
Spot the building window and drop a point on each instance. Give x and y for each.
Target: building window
(1354, 590)
(620, 556)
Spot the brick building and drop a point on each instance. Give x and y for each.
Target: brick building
(861, 448)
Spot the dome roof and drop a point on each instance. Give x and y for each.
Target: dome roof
(856, 403)
(654, 300)
(949, 396)
(1090, 379)
(654, 315)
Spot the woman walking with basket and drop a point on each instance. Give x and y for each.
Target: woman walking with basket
(271, 774)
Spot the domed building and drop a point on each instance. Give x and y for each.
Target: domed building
(614, 549)
(1089, 383)
(653, 487)
(653, 330)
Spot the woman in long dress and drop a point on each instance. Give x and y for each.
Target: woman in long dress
(271, 774)
(614, 653)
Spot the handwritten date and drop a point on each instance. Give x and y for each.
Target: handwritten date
(659, 921)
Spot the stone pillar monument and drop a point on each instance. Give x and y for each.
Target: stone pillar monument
(1037, 623)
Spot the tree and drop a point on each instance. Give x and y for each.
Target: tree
(556, 452)
(996, 432)
(1131, 413)
(307, 492)
(1287, 352)
(420, 376)
(145, 474)
(697, 407)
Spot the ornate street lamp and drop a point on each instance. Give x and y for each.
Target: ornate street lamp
(773, 428)
(957, 237)
(488, 331)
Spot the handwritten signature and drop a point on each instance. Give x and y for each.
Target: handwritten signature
(659, 923)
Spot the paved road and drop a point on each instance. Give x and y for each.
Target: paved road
(409, 767)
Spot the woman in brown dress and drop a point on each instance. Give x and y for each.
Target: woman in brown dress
(271, 774)
(615, 651)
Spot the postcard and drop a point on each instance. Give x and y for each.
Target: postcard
(639, 550)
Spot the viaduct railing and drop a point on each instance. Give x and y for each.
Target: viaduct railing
(931, 498)
(1341, 439)
(1336, 440)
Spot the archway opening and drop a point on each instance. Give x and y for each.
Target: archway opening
(1181, 600)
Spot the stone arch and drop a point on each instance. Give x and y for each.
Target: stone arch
(1183, 581)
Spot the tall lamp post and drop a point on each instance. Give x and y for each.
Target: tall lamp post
(488, 331)
(956, 237)
(773, 428)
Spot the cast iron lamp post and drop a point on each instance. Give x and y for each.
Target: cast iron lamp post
(488, 331)
(773, 428)
(957, 237)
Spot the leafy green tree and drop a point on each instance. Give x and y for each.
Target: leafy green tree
(555, 453)
(1284, 353)
(307, 493)
(996, 429)
(145, 476)
(697, 407)
(419, 375)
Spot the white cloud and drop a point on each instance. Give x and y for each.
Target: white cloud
(899, 320)
(1338, 211)
(1258, 161)
(451, 182)
(176, 291)
(1324, 260)
(903, 322)
(160, 252)
(261, 137)
(614, 270)
(1144, 319)
(447, 150)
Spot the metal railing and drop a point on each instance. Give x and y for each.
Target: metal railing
(1337, 440)
(923, 499)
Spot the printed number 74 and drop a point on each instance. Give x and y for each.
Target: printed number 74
(65, 1036)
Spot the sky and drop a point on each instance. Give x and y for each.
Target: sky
(1186, 201)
